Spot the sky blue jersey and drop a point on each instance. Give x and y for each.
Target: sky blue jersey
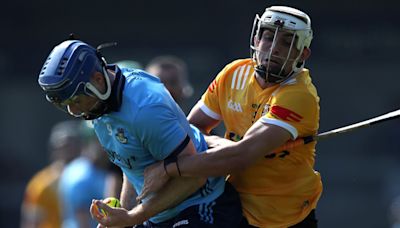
(146, 127)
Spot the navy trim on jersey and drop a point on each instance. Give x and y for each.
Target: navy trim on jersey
(180, 148)
(173, 157)
(115, 100)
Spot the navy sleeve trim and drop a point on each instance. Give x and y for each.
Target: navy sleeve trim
(179, 149)
(173, 157)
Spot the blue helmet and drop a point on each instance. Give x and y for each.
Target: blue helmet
(67, 71)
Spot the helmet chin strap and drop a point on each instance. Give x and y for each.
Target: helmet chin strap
(100, 108)
(73, 114)
(92, 116)
(97, 110)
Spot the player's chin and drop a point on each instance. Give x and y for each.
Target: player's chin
(275, 69)
(97, 110)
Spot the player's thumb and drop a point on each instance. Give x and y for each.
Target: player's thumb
(106, 200)
(101, 205)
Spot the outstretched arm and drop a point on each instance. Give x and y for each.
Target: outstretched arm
(202, 121)
(228, 156)
(220, 161)
(260, 140)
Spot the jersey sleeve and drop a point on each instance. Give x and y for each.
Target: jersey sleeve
(295, 111)
(159, 130)
(210, 101)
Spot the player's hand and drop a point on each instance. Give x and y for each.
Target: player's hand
(107, 216)
(155, 177)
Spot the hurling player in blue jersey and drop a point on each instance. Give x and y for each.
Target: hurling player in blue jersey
(138, 123)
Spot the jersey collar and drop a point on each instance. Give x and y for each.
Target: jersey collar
(115, 100)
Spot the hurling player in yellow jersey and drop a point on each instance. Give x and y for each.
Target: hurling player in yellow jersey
(263, 101)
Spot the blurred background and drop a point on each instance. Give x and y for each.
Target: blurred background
(354, 65)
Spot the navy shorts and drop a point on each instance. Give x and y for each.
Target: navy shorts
(225, 211)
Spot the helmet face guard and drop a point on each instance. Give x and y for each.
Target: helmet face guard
(66, 74)
(280, 19)
(95, 111)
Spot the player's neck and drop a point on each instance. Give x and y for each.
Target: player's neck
(262, 83)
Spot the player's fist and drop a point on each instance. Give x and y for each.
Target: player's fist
(108, 213)
(111, 202)
(100, 208)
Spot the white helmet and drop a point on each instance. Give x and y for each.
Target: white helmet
(286, 19)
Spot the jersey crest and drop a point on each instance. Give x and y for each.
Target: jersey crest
(120, 135)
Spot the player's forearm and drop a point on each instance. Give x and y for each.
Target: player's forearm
(175, 191)
(218, 161)
(230, 158)
(128, 194)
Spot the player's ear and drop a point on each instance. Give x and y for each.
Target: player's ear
(306, 54)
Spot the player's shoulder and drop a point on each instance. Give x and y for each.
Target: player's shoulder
(137, 77)
(240, 62)
(234, 69)
(301, 85)
(301, 81)
(237, 64)
(141, 88)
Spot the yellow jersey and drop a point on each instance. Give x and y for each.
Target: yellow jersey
(41, 197)
(280, 189)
